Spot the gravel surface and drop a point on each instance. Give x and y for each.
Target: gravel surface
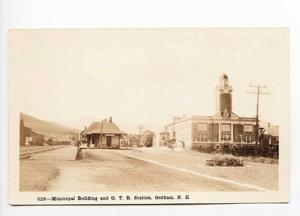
(107, 170)
(111, 170)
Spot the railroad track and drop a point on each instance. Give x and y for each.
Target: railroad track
(26, 153)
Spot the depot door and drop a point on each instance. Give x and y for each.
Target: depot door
(108, 139)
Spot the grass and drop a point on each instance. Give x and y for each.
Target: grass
(36, 176)
(259, 159)
(262, 173)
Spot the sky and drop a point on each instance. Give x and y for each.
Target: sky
(145, 76)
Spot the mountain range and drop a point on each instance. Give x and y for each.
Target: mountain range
(47, 128)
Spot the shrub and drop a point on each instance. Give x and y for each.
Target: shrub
(225, 161)
(209, 149)
(205, 149)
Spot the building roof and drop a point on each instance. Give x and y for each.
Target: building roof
(270, 129)
(224, 76)
(273, 131)
(104, 127)
(216, 117)
(232, 116)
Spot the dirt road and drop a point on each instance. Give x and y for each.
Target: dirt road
(139, 170)
(108, 170)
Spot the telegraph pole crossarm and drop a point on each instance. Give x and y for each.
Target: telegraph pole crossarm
(258, 91)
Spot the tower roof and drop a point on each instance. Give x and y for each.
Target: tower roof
(224, 76)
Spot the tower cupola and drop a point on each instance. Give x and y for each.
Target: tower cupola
(224, 92)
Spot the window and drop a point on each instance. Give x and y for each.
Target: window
(202, 127)
(200, 136)
(225, 127)
(225, 137)
(203, 137)
(248, 139)
(248, 128)
(225, 132)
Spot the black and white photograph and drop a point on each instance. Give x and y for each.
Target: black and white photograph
(161, 107)
(157, 115)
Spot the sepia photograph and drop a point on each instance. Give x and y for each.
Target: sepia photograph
(148, 116)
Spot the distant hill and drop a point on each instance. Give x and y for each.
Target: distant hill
(80, 123)
(47, 128)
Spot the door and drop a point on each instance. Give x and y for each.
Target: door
(108, 139)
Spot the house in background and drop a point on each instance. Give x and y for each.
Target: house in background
(28, 136)
(124, 142)
(269, 137)
(104, 134)
(163, 137)
(35, 131)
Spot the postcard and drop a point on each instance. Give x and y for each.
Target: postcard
(148, 116)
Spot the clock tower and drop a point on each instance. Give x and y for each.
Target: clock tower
(224, 96)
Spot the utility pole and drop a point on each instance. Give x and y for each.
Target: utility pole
(101, 134)
(140, 127)
(258, 91)
(173, 132)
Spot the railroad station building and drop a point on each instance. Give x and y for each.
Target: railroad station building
(225, 129)
(103, 134)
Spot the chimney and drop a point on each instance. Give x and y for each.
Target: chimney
(110, 119)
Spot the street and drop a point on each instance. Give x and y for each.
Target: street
(108, 170)
(139, 170)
